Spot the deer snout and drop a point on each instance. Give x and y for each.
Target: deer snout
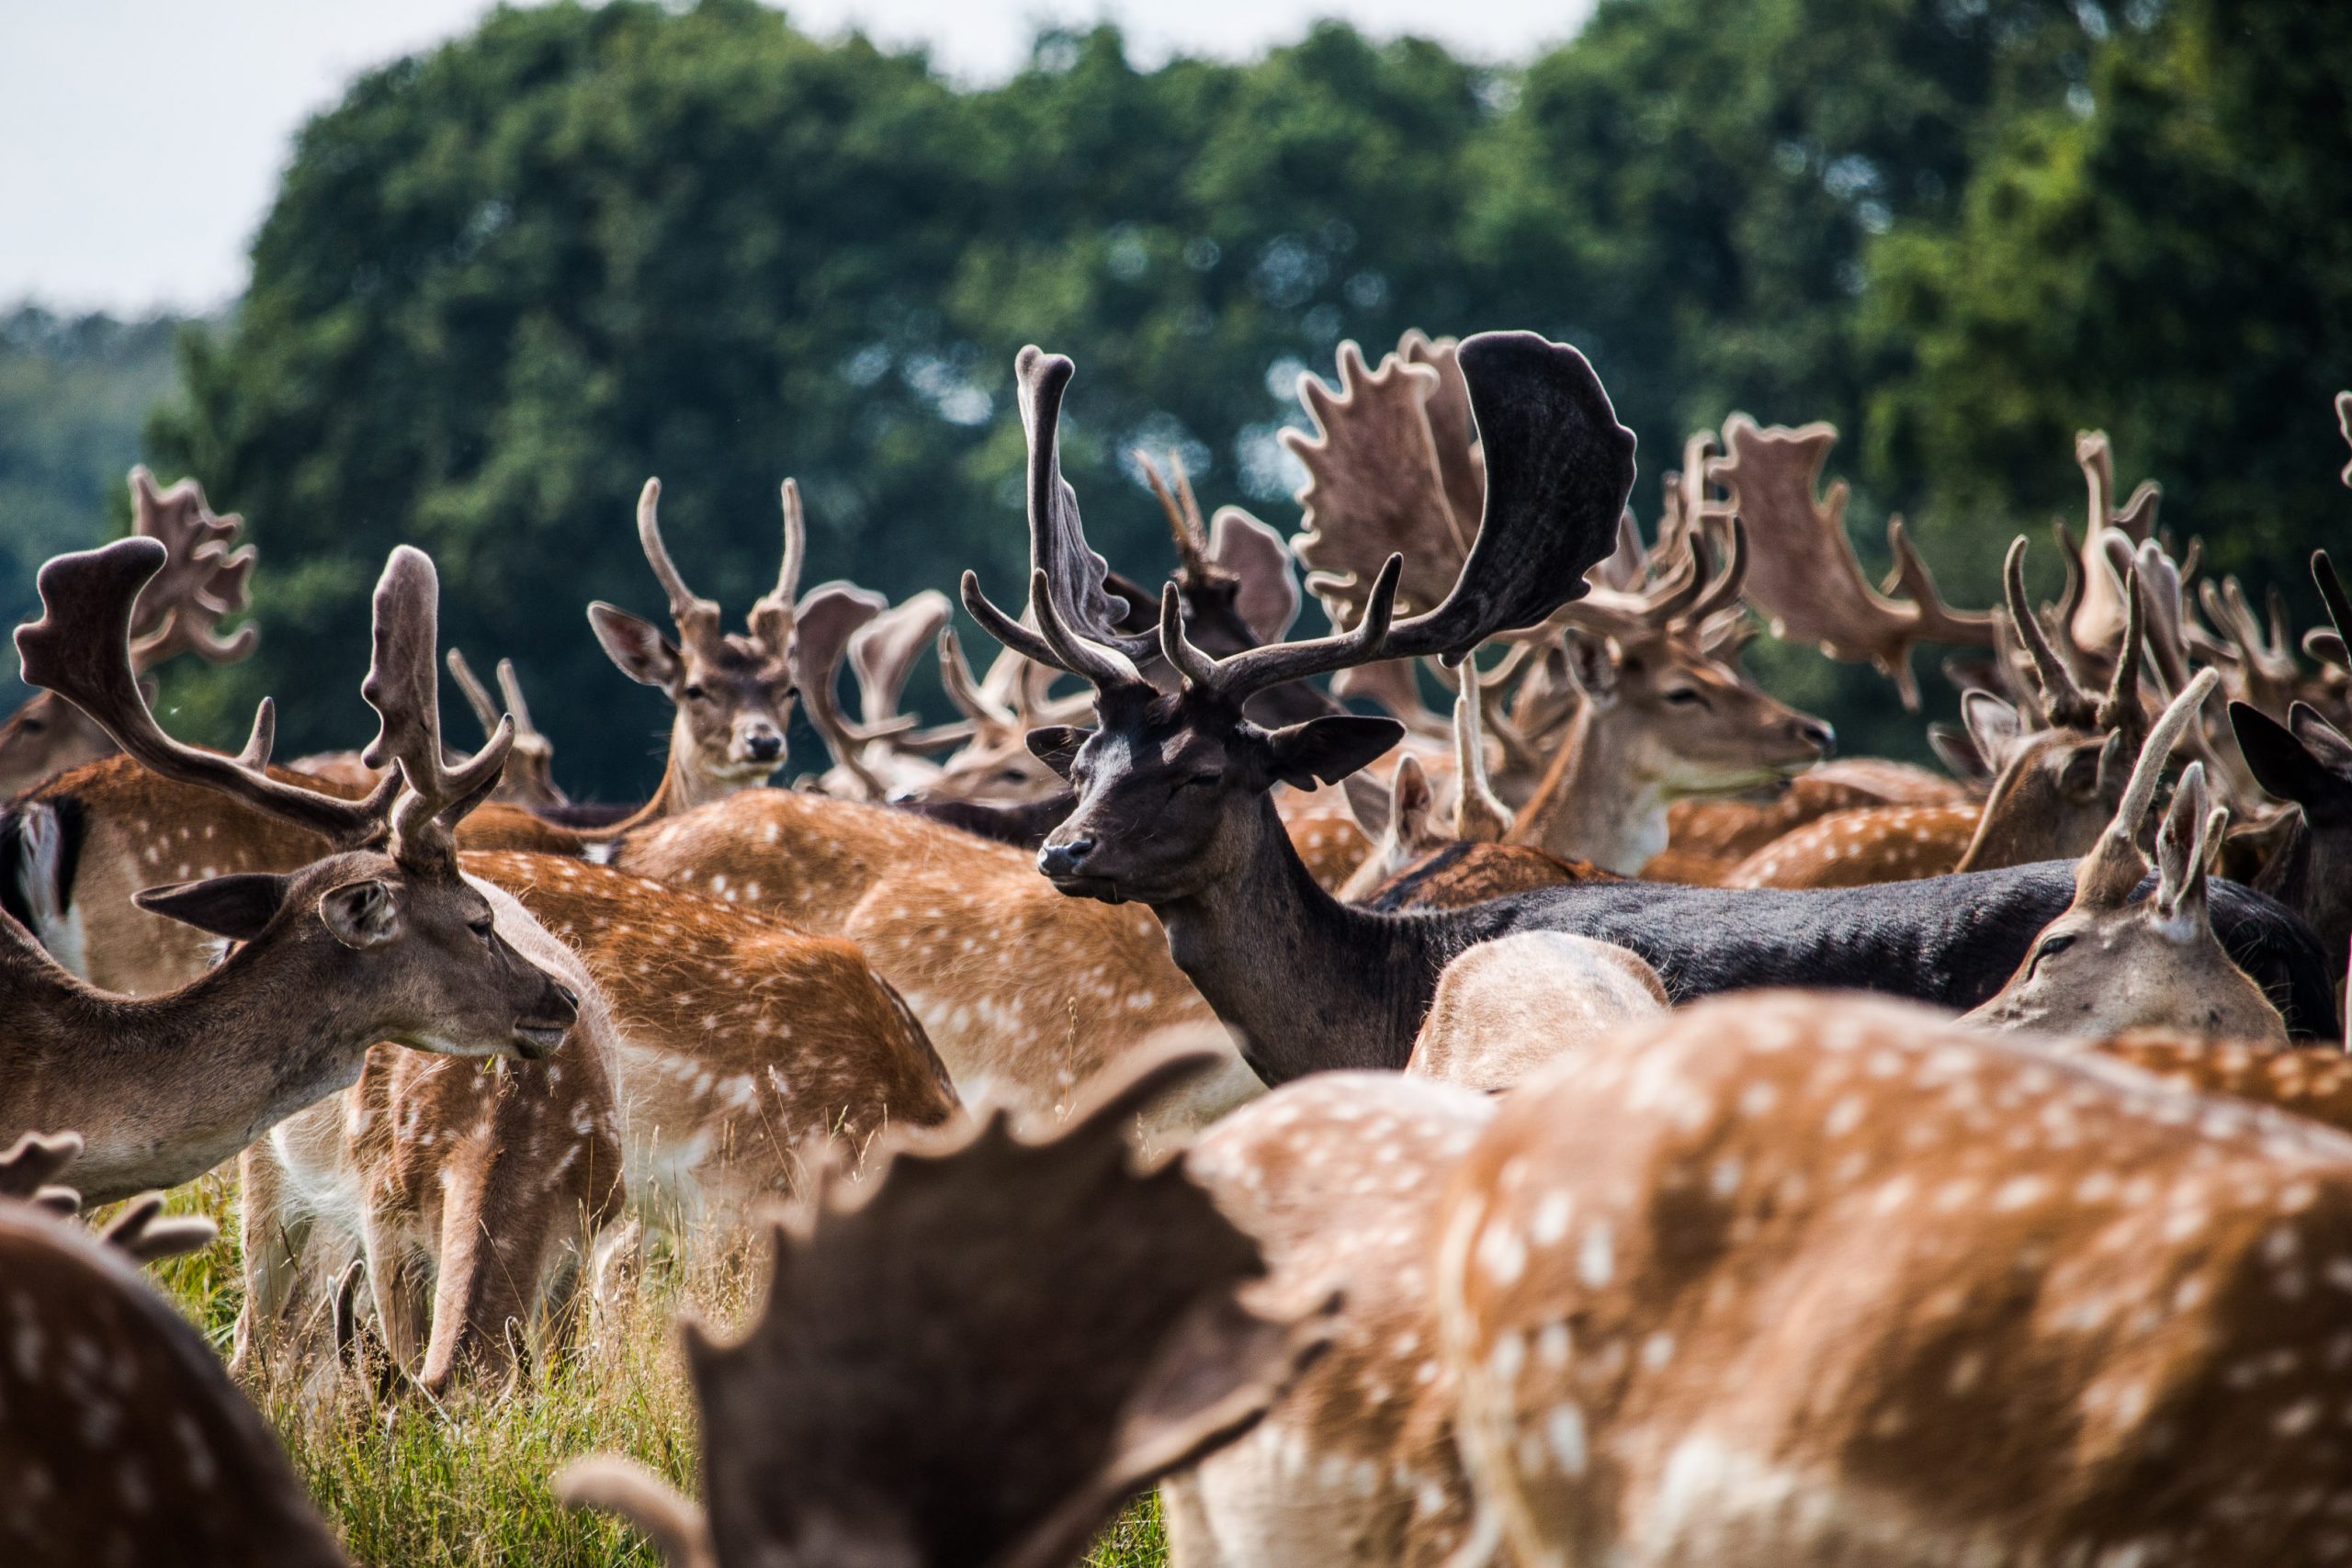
(762, 742)
(1816, 733)
(1064, 859)
(537, 1036)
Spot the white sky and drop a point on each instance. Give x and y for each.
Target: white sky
(139, 139)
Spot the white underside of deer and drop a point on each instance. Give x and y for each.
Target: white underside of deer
(1026, 993)
(1336, 1178)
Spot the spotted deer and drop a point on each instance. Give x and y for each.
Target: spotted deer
(121, 1438)
(1507, 1007)
(2112, 961)
(1706, 839)
(203, 580)
(1173, 813)
(977, 1360)
(1789, 1279)
(374, 935)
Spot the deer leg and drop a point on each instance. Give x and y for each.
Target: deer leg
(273, 1239)
(1184, 1517)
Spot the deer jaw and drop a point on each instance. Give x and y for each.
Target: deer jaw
(1660, 723)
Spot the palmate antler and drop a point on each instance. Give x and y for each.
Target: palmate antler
(80, 649)
(1805, 575)
(1559, 467)
(206, 577)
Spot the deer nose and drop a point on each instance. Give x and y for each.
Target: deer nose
(567, 1002)
(1063, 860)
(766, 745)
(1820, 736)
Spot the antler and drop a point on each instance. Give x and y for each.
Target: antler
(403, 686)
(978, 1362)
(1236, 553)
(1683, 602)
(80, 650)
(1374, 487)
(2265, 655)
(2108, 874)
(772, 612)
(2099, 614)
(1479, 815)
(1806, 577)
(27, 1170)
(2063, 703)
(530, 766)
(1460, 462)
(696, 618)
(205, 578)
(883, 651)
(2344, 423)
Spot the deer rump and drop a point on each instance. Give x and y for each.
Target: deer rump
(1948, 940)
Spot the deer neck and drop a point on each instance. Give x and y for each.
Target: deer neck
(1305, 982)
(166, 1088)
(1596, 803)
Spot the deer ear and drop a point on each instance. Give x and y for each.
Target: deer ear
(1993, 725)
(239, 907)
(1056, 745)
(1367, 800)
(1956, 749)
(361, 914)
(2079, 775)
(2278, 759)
(1410, 800)
(1327, 750)
(1593, 661)
(637, 644)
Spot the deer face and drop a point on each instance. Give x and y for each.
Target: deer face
(45, 738)
(2053, 789)
(416, 952)
(733, 695)
(1695, 724)
(1166, 787)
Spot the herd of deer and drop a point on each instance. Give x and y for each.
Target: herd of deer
(1664, 1246)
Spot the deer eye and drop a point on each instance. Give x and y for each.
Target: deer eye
(2052, 946)
(1205, 780)
(696, 695)
(1683, 697)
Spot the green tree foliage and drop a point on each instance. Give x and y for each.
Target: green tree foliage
(73, 394)
(506, 281)
(2169, 258)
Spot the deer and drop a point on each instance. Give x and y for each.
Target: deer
(1506, 1006)
(1706, 839)
(1173, 808)
(978, 1358)
(2053, 787)
(204, 580)
(380, 938)
(121, 1438)
(1795, 1278)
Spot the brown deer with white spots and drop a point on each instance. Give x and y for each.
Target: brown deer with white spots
(1789, 1279)
(975, 1360)
(1508, 1007)
(374, 934)
(2053, 789)
(203, 580)
(2111, 961)
(1337, 1180)
(1706, 839)
(122, 1439)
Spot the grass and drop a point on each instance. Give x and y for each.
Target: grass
(467, 1485)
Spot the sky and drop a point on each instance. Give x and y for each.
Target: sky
(141, 140)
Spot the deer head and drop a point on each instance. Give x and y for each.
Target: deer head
(388, 912)
(204, 580)
(2055, 785)
(977, 1363)
(733, 691)
(2111, 963)
(529, 779)
(1167, 782)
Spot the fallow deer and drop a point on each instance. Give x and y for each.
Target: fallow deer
(2111, 963)
(1706, 839)
(1172, 808)
(975, 1361)
(733, 691)
(2054, 787)
(364, 944)
(1794, 1280)
(122, 1439)
(204, 580)
(1507, 1007)
(529, 781)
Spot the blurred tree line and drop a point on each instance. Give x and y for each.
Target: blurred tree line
(506, 281)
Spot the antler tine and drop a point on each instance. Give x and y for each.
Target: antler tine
(2063, 702)
(772, 612)
(510, 691)
(696, 618)
(1240, 676)
(1479, 817)
(403, 686)
(469, 685)
(964, 691)
(1183, 514)
(80, 650)
(2119, 710)
(1723, 591)
(829, 617)
(2344, 423)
